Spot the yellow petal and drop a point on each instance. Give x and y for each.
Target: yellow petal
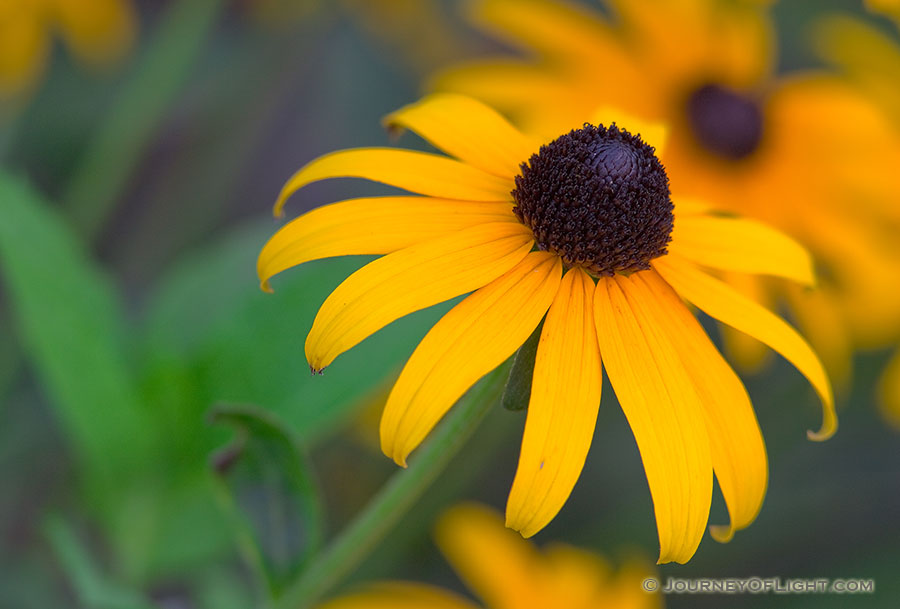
(472, 339)
(399, 595)
(719, 300)
(411, 279)
(562, 411)
(495, 563)
(372, 225)
(665, 414)
(688, 206)
(553, 29)
(504, 83)
(98, 34)
(820, 316)
(24, 50)
(741, 245)
(736, 443)
(745, 352)
(419, 172)
(468, 130)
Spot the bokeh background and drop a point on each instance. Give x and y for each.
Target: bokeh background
(158, 418)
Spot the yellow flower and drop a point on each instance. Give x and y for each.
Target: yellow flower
(95, 31)
(595, 203)
(507, 572)
(871, 59)
(805, 153)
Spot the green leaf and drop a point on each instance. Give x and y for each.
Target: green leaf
(92, 587)
(517, 393)
(69, 322)
(215, 336)
(270, 479)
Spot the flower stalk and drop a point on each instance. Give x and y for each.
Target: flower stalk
(399, 494)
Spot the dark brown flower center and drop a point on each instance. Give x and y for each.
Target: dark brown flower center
(599, 198)
(725, 122)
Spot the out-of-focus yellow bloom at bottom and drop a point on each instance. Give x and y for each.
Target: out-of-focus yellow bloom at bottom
(97, 32)
(508, 572)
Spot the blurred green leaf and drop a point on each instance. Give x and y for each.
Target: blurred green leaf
(212, 335)
(93, 589)
(517, 392)
(71, 326)
(270, 478)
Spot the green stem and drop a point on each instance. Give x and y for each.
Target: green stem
(110, 158)
(400, 493)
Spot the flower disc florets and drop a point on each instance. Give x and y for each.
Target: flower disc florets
(725, 122)
(599, 198)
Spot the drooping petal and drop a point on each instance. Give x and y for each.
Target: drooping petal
(372, 225)
(473, 338)
(821, 318)
(409, 280)
(468, 130)
(736, 443)
(742, 245)
(745, 352)
(495, 563)
(665, 414)
(419, 172)
(722, 302)
(399, 595)
(562, 411)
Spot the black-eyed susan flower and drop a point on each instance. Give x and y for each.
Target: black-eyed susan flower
(870, 59)
(507, 572)
(95, 31)
(806, 153)
(582, 234)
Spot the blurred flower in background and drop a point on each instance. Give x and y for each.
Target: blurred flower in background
(806, 152)
(507, 572)
(871, 60)
(162, 444)
(96, 32)
(474, 229)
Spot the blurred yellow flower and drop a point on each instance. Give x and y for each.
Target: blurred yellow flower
(871, 60)
(806, 153)
(608, 271)
(97, 32)
(507, 572)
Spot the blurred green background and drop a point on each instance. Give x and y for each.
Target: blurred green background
(163, 444)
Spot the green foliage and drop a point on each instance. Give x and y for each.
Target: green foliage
(213, 336)
(271, 495)
(69, 319)
(517, 393)
(93, 588)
